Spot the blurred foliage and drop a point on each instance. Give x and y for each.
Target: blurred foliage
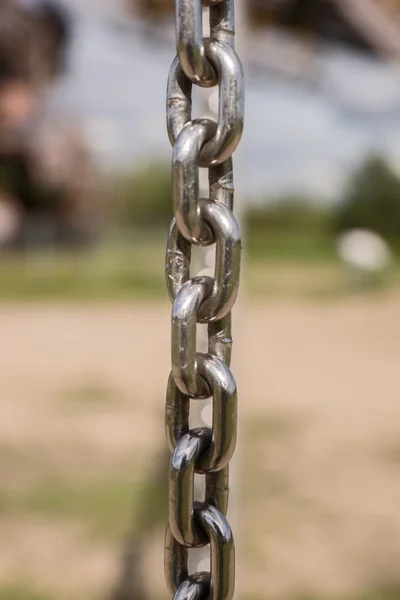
(19, 591)
(296, 235)
(120, 267)
(104, 507)
(288, 214)
(371, 200)
(290, 228)
(143, 198)
(301, 229)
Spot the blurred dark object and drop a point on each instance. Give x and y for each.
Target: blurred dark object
(49, 184)
(56, 22)
(46, 176)
(33, 40)
(372, 201)
(369, 25)
(153, 9)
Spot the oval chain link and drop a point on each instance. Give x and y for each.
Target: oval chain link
(202, 221)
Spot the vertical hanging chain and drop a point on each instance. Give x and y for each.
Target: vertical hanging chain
(202, 221)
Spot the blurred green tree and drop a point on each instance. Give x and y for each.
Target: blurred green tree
(288, 214)
(371, 200)
(144, 197)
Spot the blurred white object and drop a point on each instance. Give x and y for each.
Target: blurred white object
(364, 250)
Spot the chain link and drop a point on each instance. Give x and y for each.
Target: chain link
(203, 222)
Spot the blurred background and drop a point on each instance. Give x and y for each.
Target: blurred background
(85, 204)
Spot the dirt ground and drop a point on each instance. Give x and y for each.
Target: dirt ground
(317, 485)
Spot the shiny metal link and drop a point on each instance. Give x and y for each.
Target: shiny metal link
(183, 333)
(177, 406)
(189, 36)
(222, 550)
(217, 490)
(177, 261)
(220, 182)
(179, 100)
(179, 583)
(178, 254)
(220, 339)
(224, 414)
(222, 21)
(195, 587)
(230, 106)
(181, 488)
(185, 180)
(202, 221)
(194, 226)
(221, 226)
(175, 562)
(181, 500)
(203, 299)
(221, 584)
(227, 261)
(189, 43)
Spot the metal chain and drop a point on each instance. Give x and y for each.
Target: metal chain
(202, 221)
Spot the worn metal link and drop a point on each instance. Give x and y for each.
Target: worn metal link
(200, 299)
